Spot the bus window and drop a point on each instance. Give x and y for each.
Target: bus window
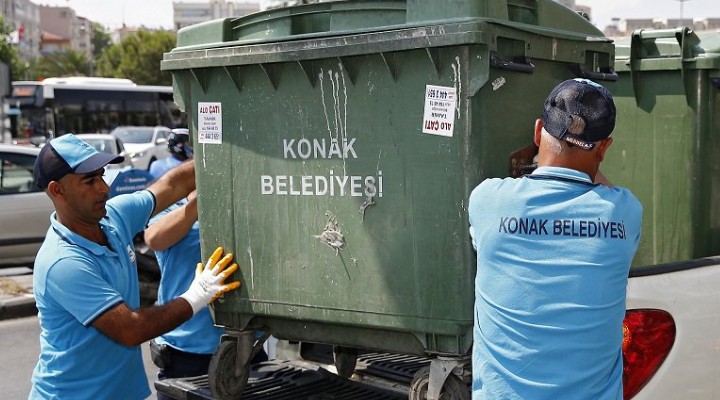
(30, 123)
(57, 106)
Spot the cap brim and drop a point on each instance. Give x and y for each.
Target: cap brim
(97, 161)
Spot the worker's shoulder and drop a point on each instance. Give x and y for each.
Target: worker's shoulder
(493, 184)
(492, 190)
(129, 202)
(619, 194)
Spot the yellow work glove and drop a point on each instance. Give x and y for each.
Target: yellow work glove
(209, 282)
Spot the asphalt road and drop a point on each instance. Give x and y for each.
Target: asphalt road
(19, 349)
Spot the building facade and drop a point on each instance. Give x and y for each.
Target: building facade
(23, 18)
(66, 31)
(186, 13)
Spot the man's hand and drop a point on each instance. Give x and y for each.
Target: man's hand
(209, 282)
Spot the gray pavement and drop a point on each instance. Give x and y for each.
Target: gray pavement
(16, 297)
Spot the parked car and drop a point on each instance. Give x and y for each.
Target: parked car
(25, 216)
(24, 209)
(671, 349)
(145, 144)
(107, 143)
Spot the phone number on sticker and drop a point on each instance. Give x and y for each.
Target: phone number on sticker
(437, 94)
(210, 136)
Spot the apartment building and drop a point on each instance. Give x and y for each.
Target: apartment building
(23, 18)
(65, 31)
(190, 13)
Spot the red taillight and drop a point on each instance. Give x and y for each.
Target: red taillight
(647, 340)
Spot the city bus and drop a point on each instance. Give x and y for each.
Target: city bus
(55, 106)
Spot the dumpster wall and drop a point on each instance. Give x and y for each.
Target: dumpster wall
(337, 165)
(666, 142)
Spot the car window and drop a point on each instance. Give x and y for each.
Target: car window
(135, 135)
(101, 145)
(162, 134)
(16, 173)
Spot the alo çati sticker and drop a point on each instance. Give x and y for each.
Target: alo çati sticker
(210, 123)
(439, 115)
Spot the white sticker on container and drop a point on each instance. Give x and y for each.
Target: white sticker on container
(439, 116)
(210, 123)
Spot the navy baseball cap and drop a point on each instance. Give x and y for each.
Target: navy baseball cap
(580, 112)
(69, 155)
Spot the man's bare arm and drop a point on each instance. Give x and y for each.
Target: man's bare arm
(174, 185)
(171, 228)
(134, 327)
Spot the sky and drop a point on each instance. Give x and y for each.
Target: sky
(159, 13)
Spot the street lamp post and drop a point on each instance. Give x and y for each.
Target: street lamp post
(682, 5)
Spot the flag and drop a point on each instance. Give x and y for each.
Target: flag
(16, 36)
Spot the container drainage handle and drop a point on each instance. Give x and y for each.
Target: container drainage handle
(526, 67)
(605, 74)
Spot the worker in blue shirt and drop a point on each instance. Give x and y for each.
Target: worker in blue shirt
(180, 148)
(86, 282)
(174, 235)
(553, 254)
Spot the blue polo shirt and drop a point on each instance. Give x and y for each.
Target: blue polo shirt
(159, 167)
(75, 281)
(553, 256)
(177, 269)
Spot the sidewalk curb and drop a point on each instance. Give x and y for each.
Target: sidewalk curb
(17, 307)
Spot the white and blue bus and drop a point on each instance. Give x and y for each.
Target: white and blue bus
(55, 106)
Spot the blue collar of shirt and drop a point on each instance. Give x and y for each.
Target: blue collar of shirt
(75, 239)
(562, 174)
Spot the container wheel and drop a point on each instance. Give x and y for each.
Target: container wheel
(452, 389)
(345, 360)
(224, 383)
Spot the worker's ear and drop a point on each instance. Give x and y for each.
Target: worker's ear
(55, 189)
(538, 131)
(603, 146)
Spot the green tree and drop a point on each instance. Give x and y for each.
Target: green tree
(67, 63)
(9, 53)
(137, 57)
(100, 39)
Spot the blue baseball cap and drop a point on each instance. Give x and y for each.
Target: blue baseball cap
(68, 155)
(580, 112)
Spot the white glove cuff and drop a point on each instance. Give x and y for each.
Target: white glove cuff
(196, 300)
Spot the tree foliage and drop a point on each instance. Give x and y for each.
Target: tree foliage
(67, 63)
(137, 57)
(100, 39)
(9, 53)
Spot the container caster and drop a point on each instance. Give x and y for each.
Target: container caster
(442, 380)
(345, 360)
(230, 364)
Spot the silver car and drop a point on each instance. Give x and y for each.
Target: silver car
(24, 209)
(107, 143)
(25, 218)
(145, 144)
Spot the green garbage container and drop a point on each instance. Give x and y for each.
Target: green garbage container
(336, 146)
(667, 140)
